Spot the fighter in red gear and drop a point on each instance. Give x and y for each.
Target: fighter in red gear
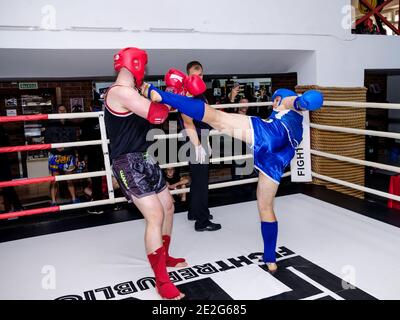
(128, 117)
(134, 60)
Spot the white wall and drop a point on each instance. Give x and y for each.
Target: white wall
(45, 63)
(332, 55)
(284, 16)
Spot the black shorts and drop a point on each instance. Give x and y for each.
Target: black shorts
(138, 175)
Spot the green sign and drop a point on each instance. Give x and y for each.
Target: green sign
(28, 85)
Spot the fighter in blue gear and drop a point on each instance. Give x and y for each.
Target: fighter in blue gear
(273, 142)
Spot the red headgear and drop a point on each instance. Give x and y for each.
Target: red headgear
(134, 60)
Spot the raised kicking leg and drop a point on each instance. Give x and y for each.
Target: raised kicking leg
(235, 125)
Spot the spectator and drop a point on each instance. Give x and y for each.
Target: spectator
(381, 28)
(263, 95)
(11, 199)
(264, 112)
(367, 27)
(243, 110)
(234, 93)
(61, 160)
(198, 206)
(175, 181)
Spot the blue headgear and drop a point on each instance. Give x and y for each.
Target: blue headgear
(283, 93)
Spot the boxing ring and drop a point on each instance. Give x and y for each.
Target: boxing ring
(324, 251)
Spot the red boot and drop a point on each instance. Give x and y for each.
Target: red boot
(164, 286)
(170, 261)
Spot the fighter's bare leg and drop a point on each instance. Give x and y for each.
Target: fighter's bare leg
(153, 212)
(234, 125)
(266, 191)
(168, 207)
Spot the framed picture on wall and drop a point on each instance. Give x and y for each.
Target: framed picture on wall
(101, 89)
(10, 102)
(11, 112)
(76, 105)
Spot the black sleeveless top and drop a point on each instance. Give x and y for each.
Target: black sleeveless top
(126, 131)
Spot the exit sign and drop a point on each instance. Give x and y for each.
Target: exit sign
(28, 85)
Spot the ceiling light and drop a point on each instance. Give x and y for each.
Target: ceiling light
(19, 28)
(171, 30)
(96, 29)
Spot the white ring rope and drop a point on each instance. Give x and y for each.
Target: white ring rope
(373, 105)
(181, 135)
(364, 132)
(356, 161)
(74, 115)
(173, 192)
(108, 172)
(241, 105)
(212, 160)
(363, 105)
(356, 187)
(77, 176)
(242, 157)
(76, 144)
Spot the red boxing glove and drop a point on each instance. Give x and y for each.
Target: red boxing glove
(158, 113)
(195, 85)
(174, 80)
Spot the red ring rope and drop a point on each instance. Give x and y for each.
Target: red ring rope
(14, 183)
(25, 148)
(16, 214)
(25, 118)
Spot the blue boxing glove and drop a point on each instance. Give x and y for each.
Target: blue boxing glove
(311, 100)
(283, 93)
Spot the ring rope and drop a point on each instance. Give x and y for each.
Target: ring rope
(47, 146)
(356, 161)
(72, 176)
(104, 142)
(66, 207)
(356, 187)
(77, 176)
(364, 105)
(364, 132)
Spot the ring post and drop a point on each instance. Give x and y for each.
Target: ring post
(107, 164)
